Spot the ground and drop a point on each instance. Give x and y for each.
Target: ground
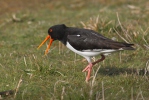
(29, 75)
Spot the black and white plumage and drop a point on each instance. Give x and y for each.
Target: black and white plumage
(85, 42)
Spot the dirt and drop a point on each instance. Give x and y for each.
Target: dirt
(13, 6)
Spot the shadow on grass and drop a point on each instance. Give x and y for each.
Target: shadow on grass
(113, 71)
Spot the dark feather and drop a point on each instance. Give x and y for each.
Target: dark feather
(83, 39)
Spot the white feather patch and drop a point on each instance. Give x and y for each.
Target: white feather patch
(90, 53)
(78, 35)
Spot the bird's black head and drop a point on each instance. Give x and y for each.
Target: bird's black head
(57, 31)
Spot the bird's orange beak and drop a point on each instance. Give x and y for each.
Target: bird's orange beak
(51, 40)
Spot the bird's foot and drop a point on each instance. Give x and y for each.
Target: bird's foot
(88, 68)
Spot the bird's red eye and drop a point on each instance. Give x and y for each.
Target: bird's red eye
(50, 30)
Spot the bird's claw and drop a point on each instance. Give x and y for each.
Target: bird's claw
(88, 69)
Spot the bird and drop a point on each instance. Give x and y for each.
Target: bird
(85, 42)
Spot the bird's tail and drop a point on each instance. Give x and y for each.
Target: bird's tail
(128, 46)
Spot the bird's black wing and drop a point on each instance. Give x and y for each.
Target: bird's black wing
(84, 39)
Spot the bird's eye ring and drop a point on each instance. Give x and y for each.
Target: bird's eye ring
(50, 30)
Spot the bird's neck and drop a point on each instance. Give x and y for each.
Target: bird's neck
(64, 38)
(68, 31)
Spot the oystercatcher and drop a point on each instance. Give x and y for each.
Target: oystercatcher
(84, 42)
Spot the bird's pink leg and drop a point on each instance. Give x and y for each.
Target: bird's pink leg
(88, 68)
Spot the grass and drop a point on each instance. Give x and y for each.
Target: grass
(121, 76)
